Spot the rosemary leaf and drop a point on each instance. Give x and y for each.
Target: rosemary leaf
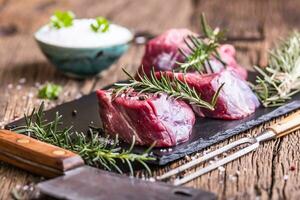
(95, 150)
(174, 88)
(280, 80)
(201, 50)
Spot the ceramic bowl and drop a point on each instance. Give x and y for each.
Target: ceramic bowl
(81, 62)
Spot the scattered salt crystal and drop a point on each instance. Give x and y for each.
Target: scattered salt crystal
(232, 177)
(22, 80)
(19, 87)
(151, 179)
(216, 158)
(221, 169)
(10, 86)
(238, 172)
(30, 95)
(78, 96)
(37, 84)
(285, 177)
(170, 149)
(25, 187)
(193, 158)
(18, 186)
(211, 162)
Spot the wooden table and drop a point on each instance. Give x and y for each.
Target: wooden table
(271, 172)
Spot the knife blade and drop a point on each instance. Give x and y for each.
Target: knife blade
(73, 180)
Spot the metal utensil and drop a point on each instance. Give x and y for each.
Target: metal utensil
(73, 180)
(281, 128)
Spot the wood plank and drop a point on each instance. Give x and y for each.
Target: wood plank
(254, 26)
(21, 57)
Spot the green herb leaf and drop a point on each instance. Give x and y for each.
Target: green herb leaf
(62, 19)
(171, 86)
(280, 80)
(100, 25)
(50, 91)
(201, 50)
(96, 150)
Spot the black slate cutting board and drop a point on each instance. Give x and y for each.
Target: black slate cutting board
(205, 132)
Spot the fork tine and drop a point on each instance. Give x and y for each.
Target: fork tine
(204, 158)
(217, 164)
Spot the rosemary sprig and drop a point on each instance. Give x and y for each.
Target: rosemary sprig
(201, 50)
(174, 87)
(280, 80)
(95, 150)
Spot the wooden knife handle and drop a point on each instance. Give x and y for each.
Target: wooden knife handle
(36, 156)
(286, 125)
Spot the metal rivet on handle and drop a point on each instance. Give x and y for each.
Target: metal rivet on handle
(59, 152)
(23, 140)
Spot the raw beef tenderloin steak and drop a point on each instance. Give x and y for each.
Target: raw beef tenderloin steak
(227, 53)
(236, 100)
(150, 118)
(162, 54)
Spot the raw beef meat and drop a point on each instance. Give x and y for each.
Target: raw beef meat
(236, 100)
(150, 118)
(227, 54)
(162, 54)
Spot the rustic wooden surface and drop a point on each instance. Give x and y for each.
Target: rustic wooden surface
(271, 172)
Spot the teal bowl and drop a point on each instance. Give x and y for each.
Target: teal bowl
(78, 62)
(82, 63)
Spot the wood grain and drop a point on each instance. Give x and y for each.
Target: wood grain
(35, 156)
(271, 172)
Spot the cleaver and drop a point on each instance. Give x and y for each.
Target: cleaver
(70, 178)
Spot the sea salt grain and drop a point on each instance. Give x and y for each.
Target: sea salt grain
(84, 37)
(22, 80)
(232, 178)
(152, 179)
(37, 84)
(221, 169)
(10, 86)
(19, 87)
(30, 95)
(285, 177)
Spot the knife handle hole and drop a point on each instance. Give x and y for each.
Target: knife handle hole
(182, 192)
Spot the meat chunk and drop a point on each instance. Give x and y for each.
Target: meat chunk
(162, 54)
(150, 118)
(227, 53)
(235, 101)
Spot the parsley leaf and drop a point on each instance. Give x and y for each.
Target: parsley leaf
(62, 19)
(101, 24)
(50, 91)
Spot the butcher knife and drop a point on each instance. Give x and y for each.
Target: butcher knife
(73, 180)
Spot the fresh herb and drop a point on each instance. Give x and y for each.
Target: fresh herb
(62, 19)
(50, 91)
(101, 24)
(95, 150)
(280, 80)
(201, 50)
(173, 87)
